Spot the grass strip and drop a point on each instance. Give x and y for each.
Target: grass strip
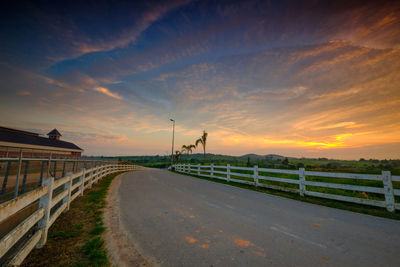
(370, 210)
(75, 239)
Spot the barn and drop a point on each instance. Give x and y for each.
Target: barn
(32, 145)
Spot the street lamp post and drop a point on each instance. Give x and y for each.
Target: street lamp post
(173, 136)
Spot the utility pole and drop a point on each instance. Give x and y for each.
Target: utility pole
(173, 136)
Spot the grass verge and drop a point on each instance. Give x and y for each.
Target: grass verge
(75, 239)
(370, 210)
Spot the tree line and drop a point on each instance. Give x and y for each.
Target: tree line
(189, 148)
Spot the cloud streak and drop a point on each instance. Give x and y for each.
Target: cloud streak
(259, 77)
(107, 92)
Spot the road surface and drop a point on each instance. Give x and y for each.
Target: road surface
(177, 220)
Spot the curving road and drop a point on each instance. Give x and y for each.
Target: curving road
(177, 220)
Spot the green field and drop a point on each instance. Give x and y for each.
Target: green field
(371, 166)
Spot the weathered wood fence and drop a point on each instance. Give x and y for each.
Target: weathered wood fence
(341, 186)
(52, 198)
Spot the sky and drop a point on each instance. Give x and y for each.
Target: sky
(295, 78)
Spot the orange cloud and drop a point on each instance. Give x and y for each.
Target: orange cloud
(107, 92)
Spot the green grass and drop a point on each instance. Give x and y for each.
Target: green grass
(375, 211)
(94, 249)
(75, 239)
(98, 229)
(94, 203)
(64, 234)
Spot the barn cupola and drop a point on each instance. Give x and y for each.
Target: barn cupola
(54, 135)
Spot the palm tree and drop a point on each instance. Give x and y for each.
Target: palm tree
(203, 140)
(176, 156)
(188, 149)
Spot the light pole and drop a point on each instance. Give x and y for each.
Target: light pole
(173, 135)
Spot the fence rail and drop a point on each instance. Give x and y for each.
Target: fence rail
(383, 188)
(24, 173)
(52, 198)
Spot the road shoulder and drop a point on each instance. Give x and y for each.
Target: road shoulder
(120, 248)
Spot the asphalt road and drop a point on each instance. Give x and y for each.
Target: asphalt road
(177, 220)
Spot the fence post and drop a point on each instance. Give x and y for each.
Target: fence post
(98, 173)
(82, 187)
(189, 168)
(212, 170)
(18, 174)
(68, 186)
(55, 169)
(91, 179)
(388, 189)
(302, 179)
(198, 169)
(63, 171)
(94, 175)
(45, 202)
(25, 176)
(255, 175)
(41, 173)
(3, 188)
(228, 172)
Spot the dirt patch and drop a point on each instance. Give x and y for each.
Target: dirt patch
(75, 239)
(120, 248)
(66, 238)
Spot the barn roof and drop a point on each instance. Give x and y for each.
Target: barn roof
(54, 133)
(14, 138)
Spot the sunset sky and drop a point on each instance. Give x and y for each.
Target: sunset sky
(296, 78)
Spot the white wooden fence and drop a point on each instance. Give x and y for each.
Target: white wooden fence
(252, 177)
(67, 188)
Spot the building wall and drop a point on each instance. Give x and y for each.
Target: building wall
(9, 152)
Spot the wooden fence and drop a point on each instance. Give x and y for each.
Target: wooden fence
(379, 190)
(52, 198)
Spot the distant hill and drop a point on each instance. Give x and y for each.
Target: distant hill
(274, 156)
(251, 156)
(259, 157)
(210, 156)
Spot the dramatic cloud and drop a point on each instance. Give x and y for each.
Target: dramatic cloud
(107, 92)
(308, 78)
